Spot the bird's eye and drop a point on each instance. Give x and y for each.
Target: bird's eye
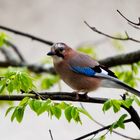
(61, 49)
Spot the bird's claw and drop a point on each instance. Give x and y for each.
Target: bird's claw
(76, 95)
(86, 95)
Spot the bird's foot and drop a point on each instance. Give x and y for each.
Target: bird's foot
(76, 95)
(86, 95)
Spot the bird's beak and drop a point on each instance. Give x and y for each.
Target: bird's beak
(51, 53)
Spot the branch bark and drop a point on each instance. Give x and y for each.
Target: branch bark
(37, 68)
(129, 21)
(50, 43)
(122, 59)
(61, 96)
(102, 125)
(67, 96)
(15, 48)
(113, 37)
(99, 130)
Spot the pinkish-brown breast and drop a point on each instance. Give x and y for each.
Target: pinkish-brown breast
(76, 81)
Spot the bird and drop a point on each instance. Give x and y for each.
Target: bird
(82, 73)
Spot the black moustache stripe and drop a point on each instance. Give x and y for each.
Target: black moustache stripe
(60, 55)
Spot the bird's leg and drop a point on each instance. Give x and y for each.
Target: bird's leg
(85, 95)
(76, 94)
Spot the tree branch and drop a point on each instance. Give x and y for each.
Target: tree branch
(50, 43)
(100, 124)
(50, 132)
(61, 96)
(37, 68)
(134, 115)
(110, 62)
(14, 47)
(129, 21)
(112, 37)
(99, 130)
(66, 96)
(123, 59)
(8, 55)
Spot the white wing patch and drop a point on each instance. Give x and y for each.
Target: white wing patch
(104, 72)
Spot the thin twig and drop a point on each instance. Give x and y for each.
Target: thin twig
(14, 47)
(134, 26)
(66, 96)
(36, 93)
(129, 21)
(51, 134)
(99, 130)
(122, 135)
(50, 43)
(134, 115)
(61, 96)
(112, 37)
(123, 59)
(37, 68)
(8, 55)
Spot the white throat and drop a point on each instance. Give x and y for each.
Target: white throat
(57, 59)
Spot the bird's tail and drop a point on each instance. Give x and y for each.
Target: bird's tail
(128, 88)
(112, 82)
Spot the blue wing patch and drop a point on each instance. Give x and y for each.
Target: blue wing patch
(83, 70)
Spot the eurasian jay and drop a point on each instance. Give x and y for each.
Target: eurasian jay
(82, 73)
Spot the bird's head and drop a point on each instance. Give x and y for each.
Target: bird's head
(59, 52)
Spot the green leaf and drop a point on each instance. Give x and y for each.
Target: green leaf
(121, 120)
(2, 84)
(63, 105)
(16, 79)
(128, 102)
(116, 105)
(10, 87)
(74, 113)
(26, 82)
(20, 113)
(24, 101)
(107, 105)
(119, 123)
(35, 105)
(128, 76)
(137, 100)
(85, 112)
(14, 114)
(68, 113)
(118, 45)
(16, 83)
(45, 106)
(88, 49)
(8, 110)
(3, 37)
(2, 88)
(49, 81)
(102, 137)
(56, 111)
